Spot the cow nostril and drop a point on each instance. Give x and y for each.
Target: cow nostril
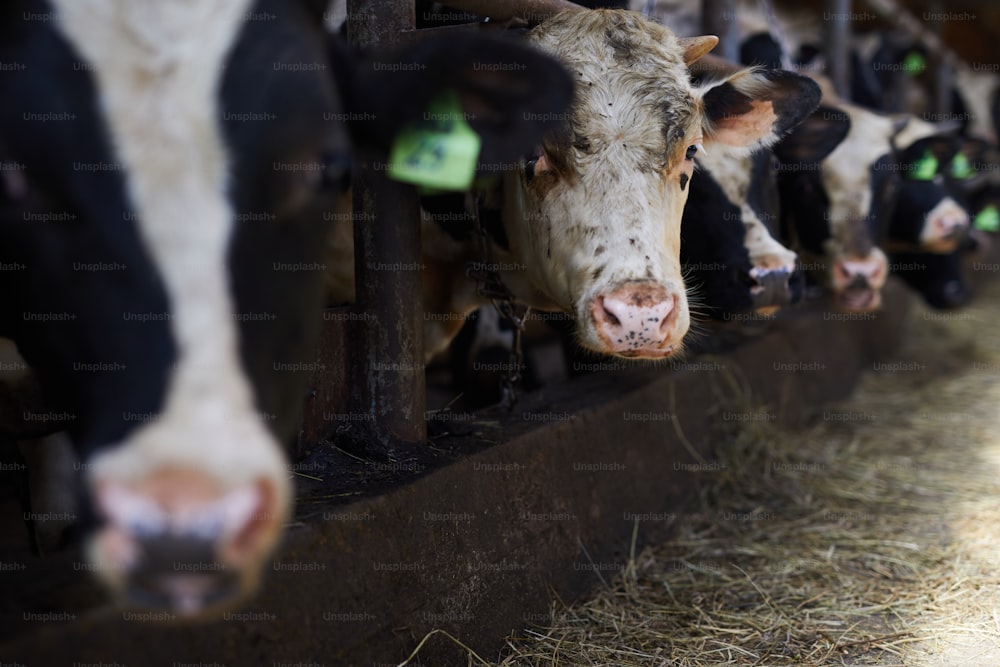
(611, 318)
(665, 323)
(858, 282)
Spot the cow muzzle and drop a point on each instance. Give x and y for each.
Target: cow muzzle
(775, 288)
(636, 319)
(945, 227)
(178, 541)
(857, 283)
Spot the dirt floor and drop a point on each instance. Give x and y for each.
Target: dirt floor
(869, 537)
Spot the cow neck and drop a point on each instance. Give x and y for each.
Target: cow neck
(453, 212)
(491, 285)
(886, 183)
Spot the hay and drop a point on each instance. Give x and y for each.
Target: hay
(868, 541)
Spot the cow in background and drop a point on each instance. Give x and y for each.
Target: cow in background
(856, 200)
(595, 213)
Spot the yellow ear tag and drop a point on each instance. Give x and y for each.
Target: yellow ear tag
(441, 152)
(925, 168)
(987, 220)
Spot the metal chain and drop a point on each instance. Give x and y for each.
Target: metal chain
(492, 287)
(508, 389)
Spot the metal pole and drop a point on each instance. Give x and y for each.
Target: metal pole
(718, 17)
(389, 368)
(837, 22)
(942, 73)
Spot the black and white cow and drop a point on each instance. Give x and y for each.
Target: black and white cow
(174, 161)
(856, 200)
(963, 167)
(729, 255)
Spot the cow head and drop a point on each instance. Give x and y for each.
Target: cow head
(175, 161)
(716, 262)
(748, 184)
(927, 215)
(595, 213)
(833, 189)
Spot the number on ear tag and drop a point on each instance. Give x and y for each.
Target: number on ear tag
(440, 152)
(987, 220)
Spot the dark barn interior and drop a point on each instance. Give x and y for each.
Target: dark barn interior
(420, 511)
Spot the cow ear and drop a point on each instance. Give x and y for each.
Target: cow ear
(908, 129)
(939, 147)
(511, 94)
(696, 47)
(752, 109)
(815, 138)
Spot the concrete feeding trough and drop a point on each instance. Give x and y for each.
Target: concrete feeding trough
(548, 501)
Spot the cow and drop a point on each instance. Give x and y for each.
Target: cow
(841, 210)
(588, 223)
(928, 215)
(963, 167)
(713, 254)
(728, 245)
(727, 250)
(592, 216)
(174, 164)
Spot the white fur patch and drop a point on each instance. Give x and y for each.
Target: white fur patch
(733, 173)
(158, 67)
(978, 90)
(946, 218)
(846, 172)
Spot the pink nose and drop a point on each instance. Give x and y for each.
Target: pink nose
(857, 283)
(949, 226)
(634, 318)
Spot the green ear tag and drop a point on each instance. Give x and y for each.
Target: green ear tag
(914, 63)
(960, 167)
(925, 168)
(440, 153)
(988, 220)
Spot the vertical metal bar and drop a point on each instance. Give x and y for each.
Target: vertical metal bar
(837, 22)
(718, 17)
(941, 72)
(389, 364)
